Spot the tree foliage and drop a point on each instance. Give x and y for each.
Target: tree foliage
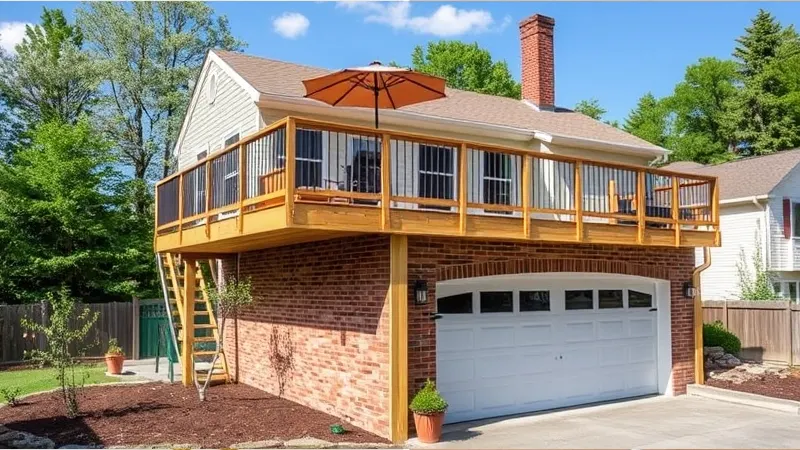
(50, 77)
(65, 220)
(590, 108)
(648, 120)
(755, 278)
(466, 66)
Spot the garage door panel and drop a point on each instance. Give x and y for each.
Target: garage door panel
(495, 337)
(494, 397)
(455, 371)
(459, 401)
(579, 331)
(579, 358)
(641, 377)
(613, 356)
(454, 339)
(536, 363)
(496, 366)
(534, 335)
(642, 353)
(611, 329)
(644, 327)
(538, 388)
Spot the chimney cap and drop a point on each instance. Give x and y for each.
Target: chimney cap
(541, 20)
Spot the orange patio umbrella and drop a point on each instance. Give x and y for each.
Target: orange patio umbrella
(375, 85)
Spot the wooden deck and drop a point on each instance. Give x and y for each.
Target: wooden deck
(299, 180)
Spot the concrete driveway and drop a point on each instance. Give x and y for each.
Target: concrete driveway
(656, 422)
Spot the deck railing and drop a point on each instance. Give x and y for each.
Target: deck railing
(301, 160)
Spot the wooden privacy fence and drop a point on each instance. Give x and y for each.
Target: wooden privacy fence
(114, 320)
(769, 330)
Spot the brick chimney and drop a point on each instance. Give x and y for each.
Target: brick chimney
(538, 74)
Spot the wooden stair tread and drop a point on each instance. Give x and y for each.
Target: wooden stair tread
(205, 339)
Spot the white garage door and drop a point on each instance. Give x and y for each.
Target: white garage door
(524, 343)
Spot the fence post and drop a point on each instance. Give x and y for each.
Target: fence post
(725, 314)
(135, 306)
(789, 324)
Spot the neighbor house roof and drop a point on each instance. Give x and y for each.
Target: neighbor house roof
(285, 79)
(747, 177)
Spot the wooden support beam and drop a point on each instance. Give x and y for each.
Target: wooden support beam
(155, 219)
(386, 180)
(578, 201)
(613, 200)
(242, 186)
(180, 209)
(527, 183)
(641, 206)
(398, 338)
(462, 189)
(187, 344)
(291, 134)
(676, 203)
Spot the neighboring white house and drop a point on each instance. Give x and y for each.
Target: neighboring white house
(759, 205)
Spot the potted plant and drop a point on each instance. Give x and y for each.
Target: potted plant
(428, 407)
(114, 357)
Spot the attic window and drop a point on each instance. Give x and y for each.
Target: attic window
(212, 88)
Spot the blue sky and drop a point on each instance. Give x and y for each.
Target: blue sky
(614, 52)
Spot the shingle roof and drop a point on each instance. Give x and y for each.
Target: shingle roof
(746, 177)
(282, 78)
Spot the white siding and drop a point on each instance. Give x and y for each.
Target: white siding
(741, 226)
(785, 253)
(208, 125)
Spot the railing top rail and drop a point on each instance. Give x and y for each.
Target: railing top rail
(333, 126)
(243, 141)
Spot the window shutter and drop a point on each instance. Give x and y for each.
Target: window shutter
(787, 218)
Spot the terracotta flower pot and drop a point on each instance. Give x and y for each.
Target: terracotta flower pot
(114, 364)
(429, 427)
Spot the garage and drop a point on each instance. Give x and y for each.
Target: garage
(522, 343)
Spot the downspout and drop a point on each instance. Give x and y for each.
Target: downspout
(699, 373)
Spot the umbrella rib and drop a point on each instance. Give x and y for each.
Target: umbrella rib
(388, 92)
(332, 85)
(422, 85)
(349, 90)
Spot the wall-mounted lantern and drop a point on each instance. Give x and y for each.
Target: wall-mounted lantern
(420, 292)
(689, 291)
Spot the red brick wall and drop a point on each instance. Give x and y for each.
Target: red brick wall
(538, 66)
(328, 299)
(433, 259)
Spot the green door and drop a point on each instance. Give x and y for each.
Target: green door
(154, 332)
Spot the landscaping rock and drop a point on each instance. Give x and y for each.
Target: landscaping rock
(308, 442)
(713, 351)
(748, 372)
(716, 358)
(81, 446)
(259, 444)
(21, 439)
(364, 445)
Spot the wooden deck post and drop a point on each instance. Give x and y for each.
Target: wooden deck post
(290, 172)
(180, 209)
(676, 202)
(398, 338)
(187, 344)
(386, 180)
(613, 200)
(641, 206)
(208, 199)
(578, 201)
(242, 185)
(526, 196)
(462, 189)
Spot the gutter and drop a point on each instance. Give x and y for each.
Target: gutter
(596, 144)
(753, 198)
(699, 372)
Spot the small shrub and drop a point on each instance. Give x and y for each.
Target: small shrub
(715, 335)
(428, 401)
(113, 348)
(10, 395)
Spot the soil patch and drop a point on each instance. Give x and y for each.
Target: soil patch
(157, 413)
(787, 387)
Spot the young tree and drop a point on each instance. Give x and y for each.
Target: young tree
(150, 52)
(590, 108)
(65, 220)
(755, 279)
(227, 298)
(50, 78)
(467, 67)
(66, 335)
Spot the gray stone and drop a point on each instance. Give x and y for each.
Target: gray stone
(8, 436)
(756, 370)
(259, 444)
(308, 442)
(364, 445)
(713, 351)
(27, 440)
(74, 446)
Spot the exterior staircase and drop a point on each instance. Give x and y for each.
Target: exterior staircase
(193, 324)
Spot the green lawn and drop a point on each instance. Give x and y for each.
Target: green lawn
(36, 380)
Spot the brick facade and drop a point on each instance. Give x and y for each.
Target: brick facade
(321, 306)
(329, 300)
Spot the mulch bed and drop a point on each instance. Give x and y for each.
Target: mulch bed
(769, 385)
(157, 413)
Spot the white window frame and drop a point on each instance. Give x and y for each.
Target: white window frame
(512, 189)
(325, 170)
(792, 216)
(419, 171)
(784, 291)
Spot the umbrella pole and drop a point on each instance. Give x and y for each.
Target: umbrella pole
(376, 99)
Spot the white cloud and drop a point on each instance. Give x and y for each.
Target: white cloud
(11, 34)
(291, 25)
(444, 22)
